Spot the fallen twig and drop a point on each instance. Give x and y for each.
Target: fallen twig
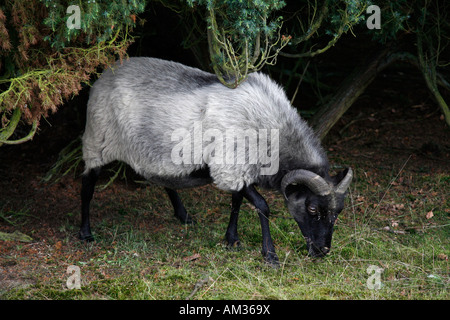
(199, 285)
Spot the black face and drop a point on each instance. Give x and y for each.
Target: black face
(316, 216)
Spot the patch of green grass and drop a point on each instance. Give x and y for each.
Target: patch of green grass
(143, 252)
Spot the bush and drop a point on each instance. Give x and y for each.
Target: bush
(43, 62)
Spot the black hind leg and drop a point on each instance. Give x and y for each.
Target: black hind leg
(180, 211)
(87, 191)
(231, 237)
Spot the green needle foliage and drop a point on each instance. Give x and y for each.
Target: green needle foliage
(241, 36)
(43, 62)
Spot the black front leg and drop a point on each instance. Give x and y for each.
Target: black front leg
(231, 237)
(268, 250)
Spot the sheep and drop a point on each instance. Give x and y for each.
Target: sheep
(154, 115)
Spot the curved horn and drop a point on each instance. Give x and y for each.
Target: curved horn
(308, 178)
(345, 182)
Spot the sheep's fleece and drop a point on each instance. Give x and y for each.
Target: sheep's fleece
(135, 107)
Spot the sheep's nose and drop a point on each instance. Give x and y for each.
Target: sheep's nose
(325, 250)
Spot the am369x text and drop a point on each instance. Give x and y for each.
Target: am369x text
(241, 309)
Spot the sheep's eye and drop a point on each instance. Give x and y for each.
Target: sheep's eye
(312, 209)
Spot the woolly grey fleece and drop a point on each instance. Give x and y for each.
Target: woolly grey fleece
(135, 107)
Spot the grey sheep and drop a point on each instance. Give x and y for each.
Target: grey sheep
(179, 127)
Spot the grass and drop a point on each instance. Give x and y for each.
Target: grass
(142, 252)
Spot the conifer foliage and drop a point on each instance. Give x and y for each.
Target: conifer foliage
(43, 61)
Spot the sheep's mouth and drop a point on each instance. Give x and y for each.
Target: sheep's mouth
(315, 251)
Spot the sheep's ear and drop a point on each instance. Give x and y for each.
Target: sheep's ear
(338, 177)
(342, 180)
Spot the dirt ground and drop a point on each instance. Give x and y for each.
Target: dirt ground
(394, 126)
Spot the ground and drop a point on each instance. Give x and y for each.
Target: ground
(396, 219)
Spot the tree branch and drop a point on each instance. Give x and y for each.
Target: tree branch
(350, 90)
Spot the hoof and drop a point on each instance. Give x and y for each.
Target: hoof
(88, 237)
(271, 260)
(233, 244)
(187, 220)
(184, 218)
